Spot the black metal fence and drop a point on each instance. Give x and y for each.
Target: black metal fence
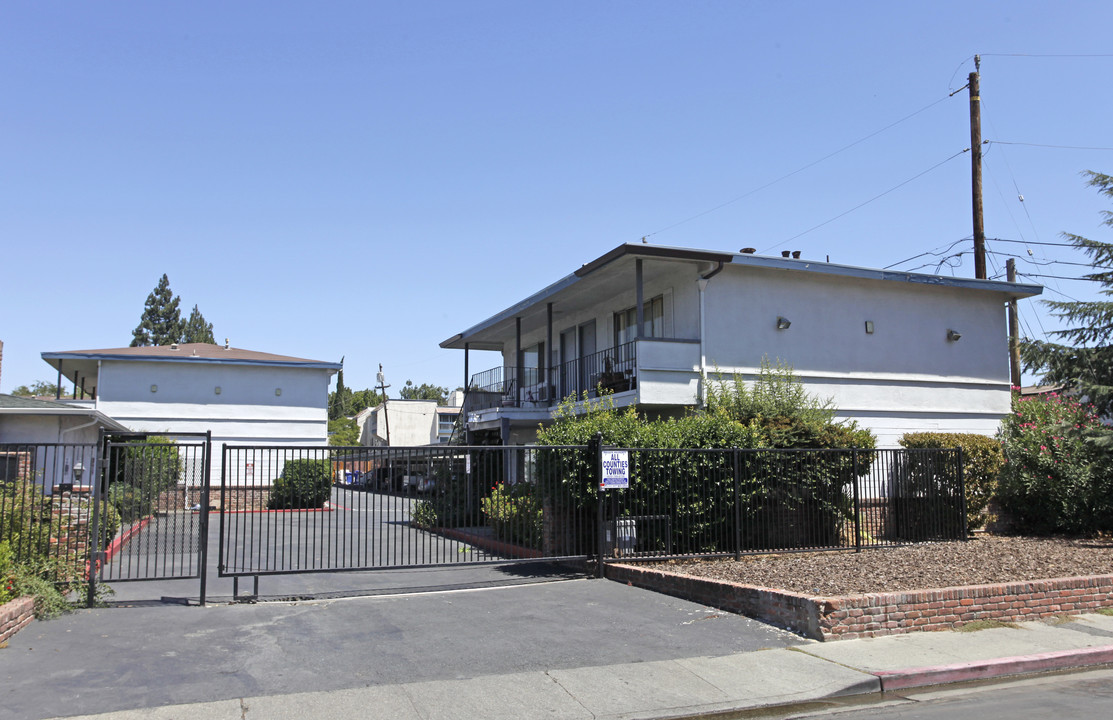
(322, 509)
(312, 509)
(126, 508)
(46, 505)
(732, 502)
(136, 508)
(152, 525)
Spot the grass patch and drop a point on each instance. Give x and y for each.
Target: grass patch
(1060, 619)
(1104, 611)
(977, 625)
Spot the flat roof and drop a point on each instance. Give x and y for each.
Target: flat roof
(641, 250)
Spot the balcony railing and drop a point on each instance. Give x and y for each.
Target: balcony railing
(613, 369)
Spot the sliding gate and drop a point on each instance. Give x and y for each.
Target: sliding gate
(312, 509)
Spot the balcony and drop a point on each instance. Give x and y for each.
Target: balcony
(613, 369)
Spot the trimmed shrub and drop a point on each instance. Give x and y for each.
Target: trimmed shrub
(514, 513)
(982, 460)
(304, 484)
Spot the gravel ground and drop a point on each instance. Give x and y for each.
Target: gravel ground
(983, 559)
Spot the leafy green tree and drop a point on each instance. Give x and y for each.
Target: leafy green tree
(161, 322)
(424, 391)
(37, 388)
(1083, 363)
(196, 330)
(343, 432)
(363, 399)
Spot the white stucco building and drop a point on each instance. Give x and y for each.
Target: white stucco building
(411, 423)
(244, 397)
(896, 351)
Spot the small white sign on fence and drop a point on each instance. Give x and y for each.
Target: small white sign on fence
(616, 470)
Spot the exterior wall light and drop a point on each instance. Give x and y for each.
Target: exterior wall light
(869, 327)
(783, 323)
(216, 390)
(154, 388)
(953, 335)
(277, 392)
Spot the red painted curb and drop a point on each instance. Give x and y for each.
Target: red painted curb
(982, 669)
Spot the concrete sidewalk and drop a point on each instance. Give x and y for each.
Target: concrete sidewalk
(696, 685)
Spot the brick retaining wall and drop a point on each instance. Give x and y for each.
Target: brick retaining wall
(15, 615)
(872, 615)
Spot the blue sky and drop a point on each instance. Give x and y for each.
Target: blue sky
(366, 179)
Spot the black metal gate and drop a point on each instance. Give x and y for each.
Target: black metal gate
(312, 509)
(152, 515)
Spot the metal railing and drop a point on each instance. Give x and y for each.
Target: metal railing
(613, 369)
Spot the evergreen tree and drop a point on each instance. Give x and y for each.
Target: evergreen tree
(340, 400)
(1084, 365)
(196, 330)
(161, 322)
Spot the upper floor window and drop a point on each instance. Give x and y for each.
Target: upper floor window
(626, 322)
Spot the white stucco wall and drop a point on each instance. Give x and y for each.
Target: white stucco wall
(46, 429)
(904, 377)
(412, 422)
(247, 411)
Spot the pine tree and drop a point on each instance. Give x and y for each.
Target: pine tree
(1085, 365)
(196, 330)
(161, 322)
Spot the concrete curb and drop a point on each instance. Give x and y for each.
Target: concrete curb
(998, 667)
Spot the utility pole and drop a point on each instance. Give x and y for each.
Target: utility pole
(976, 168)
(382, 390)
(1014, 330)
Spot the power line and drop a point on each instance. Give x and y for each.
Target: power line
(1055, 147)
(800, 169)
(1061, 277)
(1038, 55)
(929, 252)
(867, 202)
(1032, 242)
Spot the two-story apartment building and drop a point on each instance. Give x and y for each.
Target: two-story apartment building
(895, 351)
(243, 397)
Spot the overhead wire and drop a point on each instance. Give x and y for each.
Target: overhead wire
(799, 169)
(867, 202)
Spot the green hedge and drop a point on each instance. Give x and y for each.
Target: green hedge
(982, 460)
(304, 484)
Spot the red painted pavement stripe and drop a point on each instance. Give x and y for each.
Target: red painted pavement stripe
(979, 669)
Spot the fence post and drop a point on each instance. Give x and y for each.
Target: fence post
(595, 449)
(204, 529)
(93, 544)
(737, 504)
(223, 505)
(857, 504)
(962, 495)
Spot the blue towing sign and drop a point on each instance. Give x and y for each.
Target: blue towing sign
(616, 470)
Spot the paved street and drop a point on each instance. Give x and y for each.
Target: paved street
(1087, 694)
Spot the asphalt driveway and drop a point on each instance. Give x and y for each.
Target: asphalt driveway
(121, 658)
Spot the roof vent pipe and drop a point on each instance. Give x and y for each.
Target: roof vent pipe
(795, 254)
(786, 253)
(748, 251)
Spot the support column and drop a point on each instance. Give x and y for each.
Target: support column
(545, 365)
(641, 297)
